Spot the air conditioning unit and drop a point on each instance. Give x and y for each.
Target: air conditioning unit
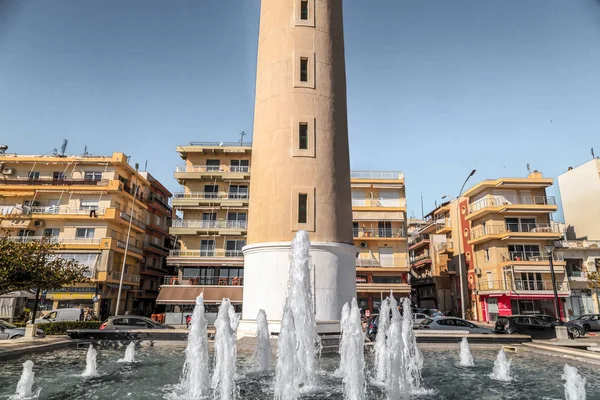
(8, 171)
(39, 224)
(478, 271)
(363, 245)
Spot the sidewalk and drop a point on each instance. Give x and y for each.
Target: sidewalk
(12, 348)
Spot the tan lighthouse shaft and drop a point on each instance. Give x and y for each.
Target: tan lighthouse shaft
(300, 160)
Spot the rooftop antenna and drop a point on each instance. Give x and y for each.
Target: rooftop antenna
(528, 168)
(85, 152)
(146, 166)
(63, 148)
(593, 155)
(422, 209)
(242, 134)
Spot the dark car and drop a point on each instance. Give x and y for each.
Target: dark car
(585, 323)
(10, 331)
(127, 322)
(538, 327)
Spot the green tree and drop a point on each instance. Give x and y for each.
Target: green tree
(26, 265)
(594, 279)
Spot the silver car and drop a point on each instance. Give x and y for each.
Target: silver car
(452, 324)
(9, 331)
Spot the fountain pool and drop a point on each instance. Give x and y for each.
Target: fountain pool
(157, 370)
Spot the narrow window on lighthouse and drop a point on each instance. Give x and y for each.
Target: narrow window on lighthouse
(303, 136)
(304, 69)
(302, 208)
(304, 10)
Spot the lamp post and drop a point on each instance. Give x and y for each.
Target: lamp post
(550, 251)
(460, 235)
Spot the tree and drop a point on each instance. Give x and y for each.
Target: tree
(26, 265)
(594, 279)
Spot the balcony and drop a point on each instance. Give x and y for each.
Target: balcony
(116, 275)
(212, 257)
(204, 198)
(419, 261)
(203, 281)
(191, 227)
(154, 199)
(397, 288)
(418, 241)
(545, 231)
(148, 244)
(130, 247)
(421, 281)
(125, 216)
(447, 247)
(367, 262)
(377, 175)
(577, 275)
(54, 239)
(184, 172)
(379, 233)
(54, 182)
(523, 287)
(61, 210)
(442, 226)
(530, 256)
(379, 203)
(512, 204)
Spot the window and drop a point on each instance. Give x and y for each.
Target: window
(92, 176)
(34, 175)
(385, 228)
(486, 254)
(302, 208)
(207, 248)
(304, 10)
(84, 233)
(355, 229)
(528, 252)
(209, 216)
(446, 322)
(520, 224)
(238, 192)
(303, 69)
(213, 165)
(211, 191)
(51, 232)
(303, 136)
(157, 220)
(240, 166)
(58, 176)
(88, 204)
(233, 248)
(236, 216)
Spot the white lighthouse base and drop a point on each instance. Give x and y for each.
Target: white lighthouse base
(266, 269)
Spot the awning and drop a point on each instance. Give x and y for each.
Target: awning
(538, 268)
(377, 216)
(389, 186)
(19, 293)
(16, 223)
(187, 294)
(360, 185)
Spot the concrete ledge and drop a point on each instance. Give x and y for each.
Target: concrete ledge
(558, 351)
(19, 347)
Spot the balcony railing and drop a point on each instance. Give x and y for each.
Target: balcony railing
(206, 253)
(59, 210)
(367, 262)
(445, 246)
(442, 224)
(211, 196)
(509, 200)
(126, 277)
(130, 247)
(577, 274)
(377, 175)
(54, 182)
(379, 232)
(533, 256)
(521, 285)
(135, 221)
(418, 239)
(158, 200)
(423, 257)
(494, 229)
(54, 239)
(204, 281)
(221, 144)
(210, 224)
(213, 168)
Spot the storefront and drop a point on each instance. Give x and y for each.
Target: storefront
(71, 297)
(493, 307)
(580, 303)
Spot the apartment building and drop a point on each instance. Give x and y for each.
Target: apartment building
(580, 194)
(433, 260)
(211, 227)
(507, 225)
(379, 218)
(85, 203)
(157, 244)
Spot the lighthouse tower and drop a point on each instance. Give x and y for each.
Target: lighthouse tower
(300, 159)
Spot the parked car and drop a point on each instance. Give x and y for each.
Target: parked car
(373, 324)
(535, 326)
(452, 324)
(10, 331)
(588, 322)
(126, 322)
(60, 315)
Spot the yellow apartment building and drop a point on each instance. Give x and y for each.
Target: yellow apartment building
(211, 228)
(507, 223)
(85, 204)
(379, 217)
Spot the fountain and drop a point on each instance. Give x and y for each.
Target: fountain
(395, 382)
(194, 378)
(223, 378)
(91, 366)
(287, 376)
(574, 384)
(352, 354)
(501, 370)
(466, 358)
(382, 360)
(262, 354)
(413, 358)
(25, 384)
(129, 354)
(339, 372)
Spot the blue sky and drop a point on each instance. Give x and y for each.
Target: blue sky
(435, 88)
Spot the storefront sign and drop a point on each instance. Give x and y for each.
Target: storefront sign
(73, 290)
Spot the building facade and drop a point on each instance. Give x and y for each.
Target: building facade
(379, 231)
(84, 203)
(507, 225)
(211, 228)
(580, 195)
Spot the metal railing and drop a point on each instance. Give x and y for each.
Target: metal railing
(521, 285)
(126, 277)
(493, 229)
(204, 281)
(58, 210)
(158, 200)
(442, 223)
(534, 256)
(210, 224)
(212, 168)
(130, 247)
(135, 221)
(423, 257)
(379, 232)
(508, 200)
(576, 274)
(54, 182)
(54, 239)
(211, 196)
(377, 175)
(367, 262)
(206, 253)
(399, 202)
(445, 246)
(221, 144)
(418, 239)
